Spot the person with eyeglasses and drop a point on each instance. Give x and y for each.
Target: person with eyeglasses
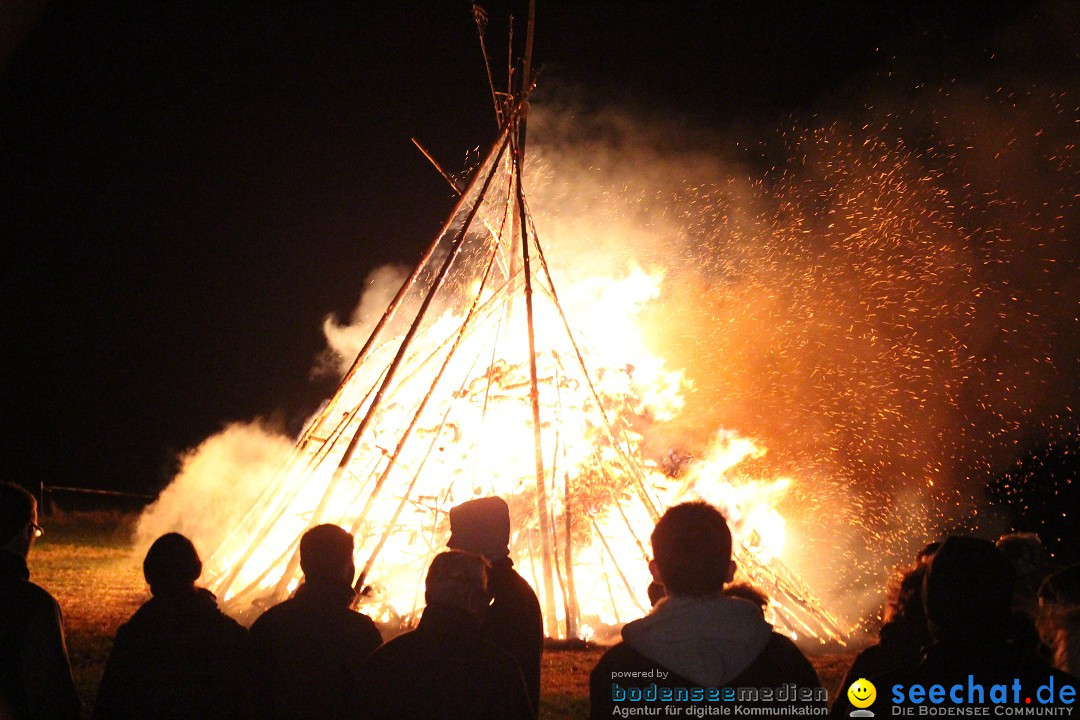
(35, 675)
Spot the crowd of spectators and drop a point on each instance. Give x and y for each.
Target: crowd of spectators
(965, 609)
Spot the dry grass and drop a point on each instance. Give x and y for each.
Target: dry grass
(564, 682)
(85, 561)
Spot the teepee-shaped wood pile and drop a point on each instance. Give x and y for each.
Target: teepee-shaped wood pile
(476, 381)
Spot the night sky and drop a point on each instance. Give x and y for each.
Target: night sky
(188, 192)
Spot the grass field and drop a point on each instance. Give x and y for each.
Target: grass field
(86, 562)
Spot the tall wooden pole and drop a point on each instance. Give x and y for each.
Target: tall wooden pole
(542, 511)
(572, 611)
(546, 537)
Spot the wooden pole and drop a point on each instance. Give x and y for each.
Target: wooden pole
(495, 235)
(526, 75)
(480, 17)
(610, 590)
(550, 622)
(568, 545)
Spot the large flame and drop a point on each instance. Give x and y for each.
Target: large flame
(456, 422)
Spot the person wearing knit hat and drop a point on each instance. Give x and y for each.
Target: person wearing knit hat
(513, 621)
(171, 565)
(178, 656)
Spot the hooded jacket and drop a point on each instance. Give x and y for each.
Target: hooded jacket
(513, 622)
(686, 642)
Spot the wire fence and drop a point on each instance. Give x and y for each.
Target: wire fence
(49, 490)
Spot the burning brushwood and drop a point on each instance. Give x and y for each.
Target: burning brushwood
(456, 395)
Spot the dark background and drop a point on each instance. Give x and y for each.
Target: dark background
(190, 191)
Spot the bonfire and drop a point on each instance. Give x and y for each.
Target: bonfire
(491, 373)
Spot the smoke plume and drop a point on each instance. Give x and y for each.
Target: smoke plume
(217, 482)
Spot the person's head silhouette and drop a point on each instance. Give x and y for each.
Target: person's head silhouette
(458, 579)
(171, 566)
(326, 553)
(692, 550)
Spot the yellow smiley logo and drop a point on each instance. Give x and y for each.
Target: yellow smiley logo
(862, 693)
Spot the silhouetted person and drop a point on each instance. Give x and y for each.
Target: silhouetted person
(968, 593)
(1059, 618)
(446, 668)
(903, 636)
(747, 591)
(178, 656)
(1031, 564)
(35, 676)
(696, 638)
(307, 650)
(1065, 642)
(513, 621)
